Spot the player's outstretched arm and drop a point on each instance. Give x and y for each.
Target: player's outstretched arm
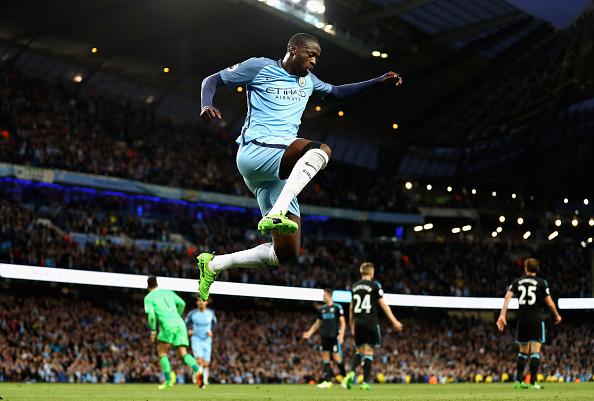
(209, 87)
(314, 327)
(348, 90)
(388, 311)
(553, 308)
(501, 321)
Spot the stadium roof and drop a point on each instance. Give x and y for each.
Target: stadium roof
(470, 66)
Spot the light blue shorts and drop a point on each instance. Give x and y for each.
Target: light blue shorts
(259, 162)
(202, 348)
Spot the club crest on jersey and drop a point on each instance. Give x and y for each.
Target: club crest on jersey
(302, 81)
(233, 67)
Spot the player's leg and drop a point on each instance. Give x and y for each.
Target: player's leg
(301, 161)
(350, 377)
(180, 341)
(206, 352)
(338, 359)
(162, 349)
(260, 168)
(283, 248)
(522, 358)
(210, 266)
(327, 375)
(188, 359)
(367, 362)
(534, 363)
(197, 352)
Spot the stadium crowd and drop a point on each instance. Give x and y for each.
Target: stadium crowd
(67, 127)
(94, 342)
(42, 234)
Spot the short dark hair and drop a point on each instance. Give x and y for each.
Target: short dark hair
(328, 290)
(532, 265)
(151, 281)
(301, 39)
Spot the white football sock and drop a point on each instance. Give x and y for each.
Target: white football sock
(260, 256)
(303, 172)
(205, 375)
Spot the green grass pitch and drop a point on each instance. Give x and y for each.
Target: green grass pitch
(146, 392)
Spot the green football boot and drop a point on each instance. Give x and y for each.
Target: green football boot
(365, 386)
(207, 276)
(165, 386)
(519, 385)
(348, 380)
(277, 222)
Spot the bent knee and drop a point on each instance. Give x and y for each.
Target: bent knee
(286, 254)
(326, 150)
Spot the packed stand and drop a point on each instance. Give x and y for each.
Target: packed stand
(40, 340)
(66, 127)
(478, 268)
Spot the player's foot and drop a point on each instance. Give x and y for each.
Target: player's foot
(207, 276)
(536, 386)
(165, 386)
(365, 386)
(347, 382)
(277, 222)
(325, 384)
(197, 379)
(519, 385)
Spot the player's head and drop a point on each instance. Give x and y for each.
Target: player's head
(201, 304)
(367, 269)
(531, 266)
(303, 51)
(328, 295)
(151, 282)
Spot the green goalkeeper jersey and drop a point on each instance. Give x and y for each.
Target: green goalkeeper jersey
(165, 307)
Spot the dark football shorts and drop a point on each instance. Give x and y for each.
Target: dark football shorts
(367, 334)
(530, 330)
(331, 344)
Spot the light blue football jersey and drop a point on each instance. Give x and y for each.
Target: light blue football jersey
(276, 99)
(202, 322)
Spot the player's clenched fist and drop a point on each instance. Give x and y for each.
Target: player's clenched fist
(501, 323)
(392, 78)
(209, 113)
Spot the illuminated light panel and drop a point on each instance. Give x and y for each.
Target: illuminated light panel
(137, 281)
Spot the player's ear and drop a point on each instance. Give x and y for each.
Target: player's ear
(292, 49)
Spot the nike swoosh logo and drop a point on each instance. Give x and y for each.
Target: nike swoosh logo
(307, 164)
